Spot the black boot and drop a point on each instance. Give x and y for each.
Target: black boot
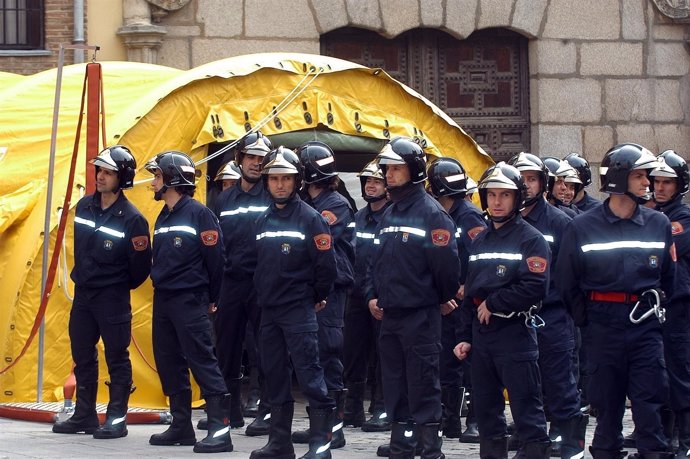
(573, 433)
(84, 418)
(181, 431)
(279, 445)
(320, 433)
(377, 423)
(353, 414)
(431, 441)
(301, 437)
(218, 438)
(538, 450)
(452, 399)
(262, 423)
(629, 440)
(668, 422)
(235, 417)
(556, 437)
(471, 433)
(493, 448)
(338, 440)
(409, 435)
(606, 454)
(115, 421)
(404, 440)
(683, 419)
(251, 407)
(652, 455)
(514, 442)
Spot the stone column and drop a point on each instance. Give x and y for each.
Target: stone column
(141, 38)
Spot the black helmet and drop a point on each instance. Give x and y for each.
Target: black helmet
(552, 164)
(230, 171)
(253, 143)
(529, 162)
(176, 168)
(671, 164)
(318, 161)
(282, 161)
(372, 169)
(447, 177)
(503, 176)
(619, 162)
(404, 150)
(118, 158)
(581, 165)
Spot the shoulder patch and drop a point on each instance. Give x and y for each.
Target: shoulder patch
(676, 228)
(209, 237)
(536, 264)
(440, 237)
(475, 231)
(672, 251)
(322, 241)
(140, 243)
(329, 216)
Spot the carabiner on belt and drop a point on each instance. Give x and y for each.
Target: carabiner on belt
(532, 319)
(653, 300)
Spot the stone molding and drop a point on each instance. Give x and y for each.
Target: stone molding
(676, 10)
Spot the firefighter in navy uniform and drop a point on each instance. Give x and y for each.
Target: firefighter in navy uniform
(361, 329)
(321, 182)
(561, 176)
(237, 209)
(228, 175)
(112, 255)
(508, 275)
(448, 184)
(186, 273)
(413, 271)
(670, 182)
(582, 200)
(556, 339)
(295, 272)
(614, 264)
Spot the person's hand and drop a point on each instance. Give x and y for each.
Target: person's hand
(483, 313)
(375, 310)
(461, 292)
(320, 305)
(212, 308)
(448, 307)
(462, 350)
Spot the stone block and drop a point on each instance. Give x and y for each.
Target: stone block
(569, 101)
(432, 13)
(624, 59)
(634, 24)
(552, 57)
(556, 140)
(598, 140)
(642, 134)
(667, 59)
(528, 16)
(461, 17)
(182, 31)
(494, 13)
(673, 137)
(220, 18)
(643, 100)
(175, 52)
(330, 14)
(364, 13)
(673, 32)
(208, 50)
(292, 19)
(399, 16)
(583, 19)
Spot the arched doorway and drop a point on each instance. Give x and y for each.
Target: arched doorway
(482, 82)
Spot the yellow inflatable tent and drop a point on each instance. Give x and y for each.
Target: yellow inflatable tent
(291, 97)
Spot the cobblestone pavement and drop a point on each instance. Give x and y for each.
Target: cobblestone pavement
(22, 439)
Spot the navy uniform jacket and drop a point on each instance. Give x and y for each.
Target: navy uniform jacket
(509, 268)
(587, 203)
(550, 222)
(296, 259)
(237, 212)
(416, 262)
(469, 222)
(339, 215)
(679, 214)
(187, 249)
(111, 247)
(365, 226)
(603, 253)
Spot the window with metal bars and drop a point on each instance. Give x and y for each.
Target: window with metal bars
(21, 24)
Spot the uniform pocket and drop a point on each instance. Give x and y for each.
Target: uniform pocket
(427, 362)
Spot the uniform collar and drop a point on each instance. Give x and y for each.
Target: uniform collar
(117, 209)
(184, 200)
(612, 218)
(325, 193)
(671, 205)
(537, 211)
(253, 191)
(410, 198)
(507, 229)
(290, 206)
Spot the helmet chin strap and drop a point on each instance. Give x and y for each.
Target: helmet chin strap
(637, 199)
(372, 199)
(158, 195)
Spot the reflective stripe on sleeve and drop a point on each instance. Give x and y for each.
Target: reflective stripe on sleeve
(102, 229)
(602, 246)
(366, 235)
(243, 210)
(181, 228)
(403, 229)
(496, 256)
(294, 234)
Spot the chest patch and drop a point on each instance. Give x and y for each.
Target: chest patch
(177, 242)
(500, 270)
(536, 264)
(108, 244)
(440, 237)
(285, 249)
(676, 228)
(653, 261)
(329, 216)
(209, 237)
(322, 241)
(140, 243)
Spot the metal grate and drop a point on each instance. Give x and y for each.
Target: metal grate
(21, 24)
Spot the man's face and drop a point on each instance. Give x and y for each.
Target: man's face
(251, 166)
(638, 183)
(563, 191)
(664, 188)
(374, 187)
(500, 202)
(228, 183)
(107, 181)
(397, 174)
(532, 182)
(281, 186)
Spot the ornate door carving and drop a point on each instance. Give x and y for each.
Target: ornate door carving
(481, 82)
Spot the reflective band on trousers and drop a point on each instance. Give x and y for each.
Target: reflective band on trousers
(243, 210)
(496, 256)
(366, 235)
(351, 225)
(403, 229)
(622, 245)
(173, 229)
(103, 229)
(295, 234)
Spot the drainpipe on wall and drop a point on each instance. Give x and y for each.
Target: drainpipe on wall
(78, 30)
